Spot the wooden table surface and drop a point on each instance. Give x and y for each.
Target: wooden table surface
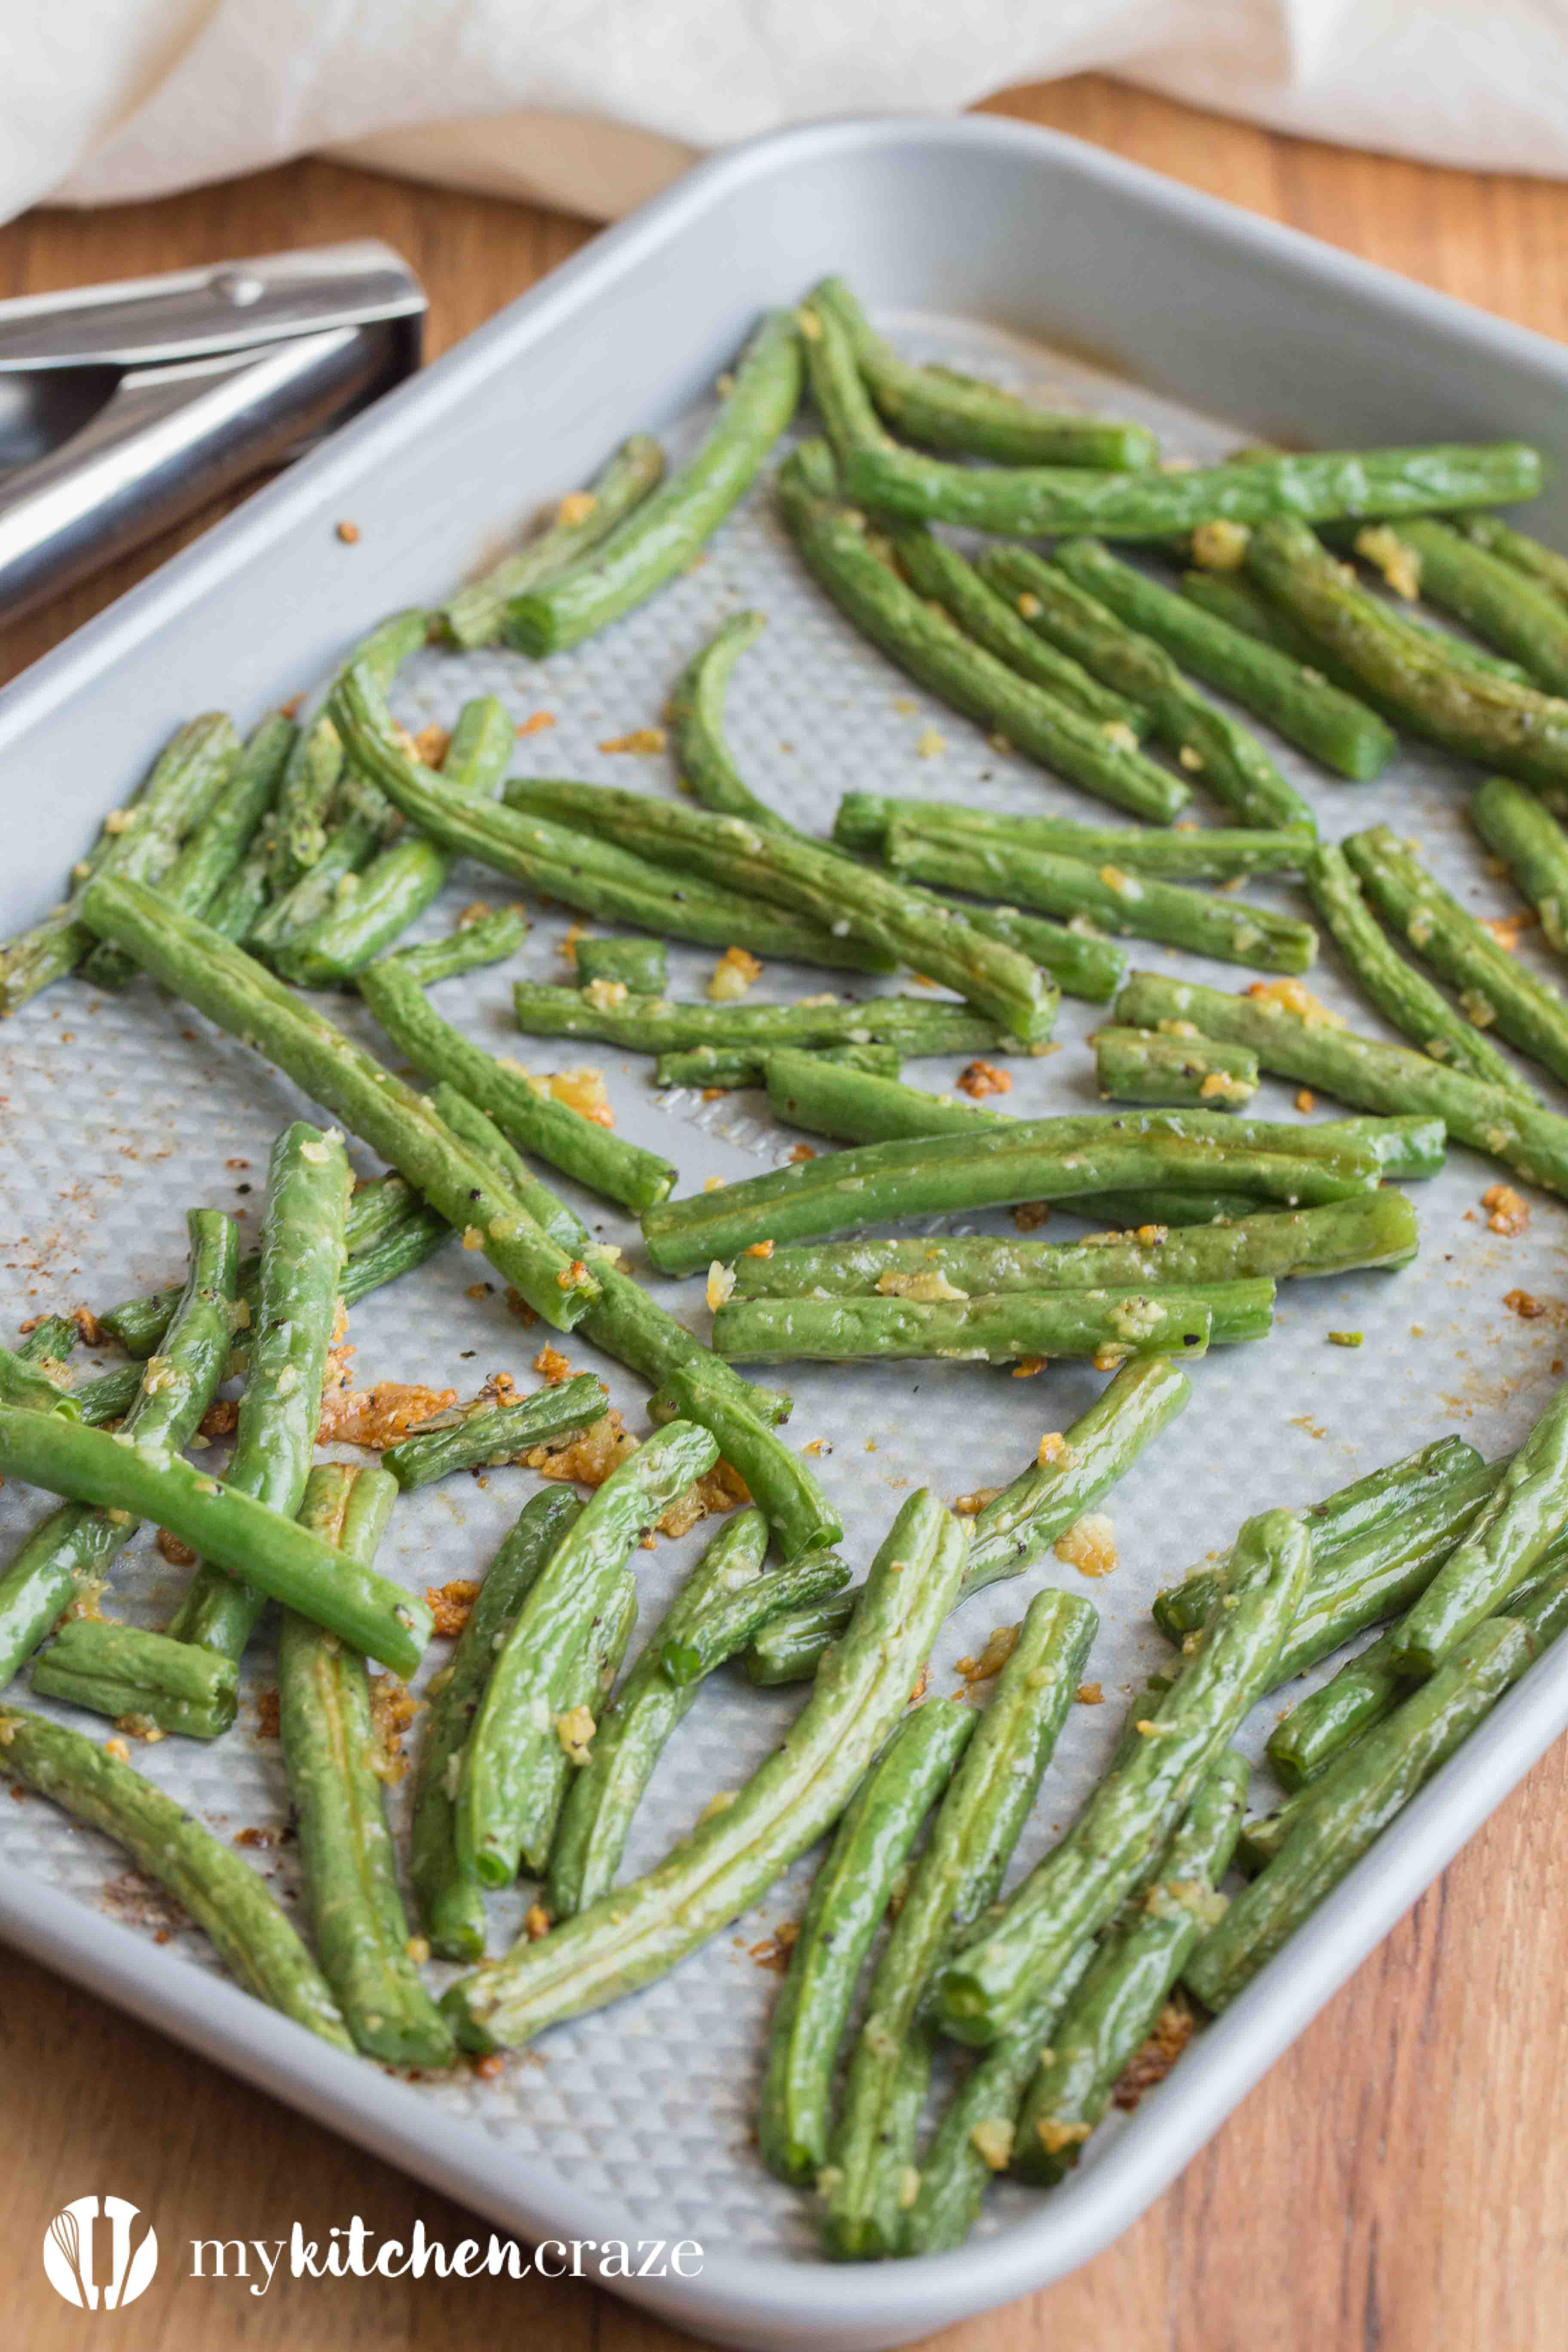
(1401, 2178)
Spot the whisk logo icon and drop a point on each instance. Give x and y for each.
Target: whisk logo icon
(95, 2256)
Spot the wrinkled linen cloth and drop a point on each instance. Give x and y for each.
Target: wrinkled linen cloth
(593, 105)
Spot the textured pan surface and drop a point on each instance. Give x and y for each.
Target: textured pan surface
(121, 1112)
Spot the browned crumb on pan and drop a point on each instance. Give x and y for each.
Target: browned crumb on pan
(1508, 1211)
(449, 1605)
(1088, 1545)
(587, 1457)
(382, 1416)
(552, 1366)
(536, 1921)
(536, 723)
(1028, 1215)
(1523, 1303)
(802, 1151)
(268, 1836)
(1152, 2063)
(90, 1330)
(646, 741)
(1090, 1695)
(349, 532)
(981, 1078)
(141, 1902)
(268, 1718)
(774, 1951)
(999, 1647)
(177, 1554)
(219, 1419)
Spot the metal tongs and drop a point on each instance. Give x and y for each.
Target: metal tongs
(124, 407)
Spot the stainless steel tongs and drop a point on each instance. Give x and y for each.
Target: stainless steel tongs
(123, 407)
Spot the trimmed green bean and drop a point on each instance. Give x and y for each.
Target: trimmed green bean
(503, 1434)
(449, 1894)
(1538, 562)
(1330, 726)
(1047, 501)
(49, 1341)
(640, 966)
(957, 1879)
(1142, 1065)
(1211, 853)
(592, 1155)
(855, 1106)
(1405, 997)
(653, 1024)
(222, 1894)
(1021, 1326)
(1138, 906)
(191, 778)
(490, 938)
(1311, 1048)
(1001, 1163)
(330, 1752)
(929, 644)
(316, 765)
(515, 1765)
(476, 615)
(663, 533)
(118, 1671)
(1534, 847)
(1128, 1982)
(944, 410)
(1429, 559)
(231, 988)
(734, 1853)
(223, 841)
(25, 1383)
(297, 1288)
(725, 1069)
(1352, 1804)
(798, 1512)
(1516, 729)
(988, 1985)
(702, 757)
(850, 1896)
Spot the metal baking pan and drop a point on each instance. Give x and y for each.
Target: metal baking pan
(1062, 268)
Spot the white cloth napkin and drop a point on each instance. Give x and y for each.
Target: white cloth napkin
(593, 104)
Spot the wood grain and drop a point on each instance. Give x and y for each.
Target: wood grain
(1400, 2179)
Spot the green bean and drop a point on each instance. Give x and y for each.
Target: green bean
(117, 1671)
(1316, 1052)
(514, 1767)
(1516, 729)
(1508, 1538)
(330, 1751)
(640, 966)
(1043, 502)
(448, 1895)
(140, 841)
(849, 1897)
(222, 1894)
(1542, 564)
(1139, 906)
(1492, 984)
(1081, 963)
(1142, 1065)
(702, 756)
(1387, 1501)
(224, 1526)
(1352, 1805)
(223, 840)
(69, 1554)
(1429, 559)
(1215, 853)
(574, 868)
(793, 871)
(1405, 997)
(488, 937)
(777, 1478)
(108, 1398)
(985, 613)
(1001, 1163)
(958, 1878)
(363, 819)
(1236, 601)
(631, 1734)
(737, 1851)
(476, 615)
(594, 1155)
(297, 1289)
(231, 988)
(1021, 1326)
(855, 1106)
(833, 543)
(372, 908)
(503, 1434)
(653, 1024)
(240, 902)
(1131, 1976)
(666, 529)
(719, 1066)
(1209, 744)
(1534, 845)
(49, 1341)
(1377, 1230)
(1019, 1526)
(988, 1985)
(944, 410)
(732, 1615)
(1330, 726)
